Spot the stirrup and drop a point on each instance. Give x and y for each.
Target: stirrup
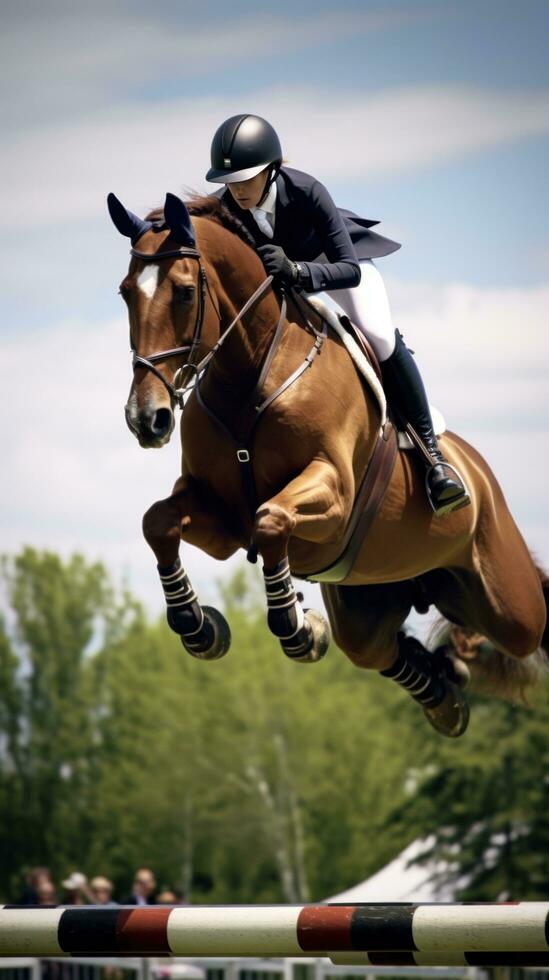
(455, 503)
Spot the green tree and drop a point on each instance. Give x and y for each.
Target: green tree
(247, 779)
(58, 613)
(485, 802)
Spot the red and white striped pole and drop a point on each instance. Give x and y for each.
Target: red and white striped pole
(379, 934)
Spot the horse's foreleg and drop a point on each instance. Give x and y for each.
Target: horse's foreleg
(311, 508)
(203, 630)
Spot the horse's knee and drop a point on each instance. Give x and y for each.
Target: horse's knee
(272, 530)
(159, 522)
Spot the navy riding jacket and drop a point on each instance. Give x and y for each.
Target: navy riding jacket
(326, 240)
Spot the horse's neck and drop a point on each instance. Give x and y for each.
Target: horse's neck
(238, 364)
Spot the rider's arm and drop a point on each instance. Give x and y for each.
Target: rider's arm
(342, 270)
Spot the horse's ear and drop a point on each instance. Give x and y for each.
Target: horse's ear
(128, 224)
(178, 220)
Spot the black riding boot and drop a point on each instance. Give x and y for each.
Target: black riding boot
(406, 393)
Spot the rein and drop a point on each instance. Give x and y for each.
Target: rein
(244, 444)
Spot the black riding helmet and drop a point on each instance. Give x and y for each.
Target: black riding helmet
(241, 148)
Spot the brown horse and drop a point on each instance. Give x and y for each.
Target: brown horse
(274, 468)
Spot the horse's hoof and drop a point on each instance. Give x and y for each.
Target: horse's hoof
(320, 639)
(451, 716)
(321, 633)
(217, 638)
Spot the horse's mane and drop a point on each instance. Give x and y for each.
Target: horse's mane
(212, 208)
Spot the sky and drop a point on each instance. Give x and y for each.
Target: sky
(431, 117)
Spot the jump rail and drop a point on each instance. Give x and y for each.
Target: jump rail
(499, 934)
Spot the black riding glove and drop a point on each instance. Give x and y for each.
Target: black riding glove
(278, 264)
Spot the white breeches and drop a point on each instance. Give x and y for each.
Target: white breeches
(367, 306)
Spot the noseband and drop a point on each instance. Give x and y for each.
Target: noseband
(176, 393)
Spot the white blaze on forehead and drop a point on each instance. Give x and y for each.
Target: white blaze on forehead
(148, 280)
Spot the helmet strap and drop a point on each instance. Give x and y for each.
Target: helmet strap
(274, 169)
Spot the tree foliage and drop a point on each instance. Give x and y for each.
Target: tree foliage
(486, 804)
(251, 779)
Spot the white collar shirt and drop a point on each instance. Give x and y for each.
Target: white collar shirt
(265, 215)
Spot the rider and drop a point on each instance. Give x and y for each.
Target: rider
(304, 240)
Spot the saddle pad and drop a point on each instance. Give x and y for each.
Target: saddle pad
(362, 364)
(366, 370)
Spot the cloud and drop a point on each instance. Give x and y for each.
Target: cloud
(61, 174)
(69, 59)
(477, 335)
(483, 355)
(74, 477)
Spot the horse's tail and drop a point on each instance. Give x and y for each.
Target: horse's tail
(544, 579)
(493, 673)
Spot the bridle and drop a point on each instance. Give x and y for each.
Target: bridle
(177, 393)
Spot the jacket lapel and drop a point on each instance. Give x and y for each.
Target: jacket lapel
(281, 209)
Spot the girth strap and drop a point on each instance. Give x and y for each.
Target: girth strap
(367, 503)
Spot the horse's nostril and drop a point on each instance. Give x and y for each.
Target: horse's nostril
(151, 426)
(161, 422)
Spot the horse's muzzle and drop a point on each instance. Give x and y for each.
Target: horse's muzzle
(151, 427)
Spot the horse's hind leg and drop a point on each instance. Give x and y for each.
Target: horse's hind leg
(502, 602)
(511, 600)
(499, 593)
(203, 630)
(366, 621)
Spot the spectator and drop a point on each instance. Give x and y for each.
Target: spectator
(76, 889)
(167, 897)
(101, 891)
(144, 886)
(45, 892)
(32, 881)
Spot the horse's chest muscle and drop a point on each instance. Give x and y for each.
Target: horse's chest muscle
(212, 457)
(224, 473)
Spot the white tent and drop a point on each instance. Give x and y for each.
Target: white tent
(403, 881)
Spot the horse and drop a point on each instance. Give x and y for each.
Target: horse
(277, 432)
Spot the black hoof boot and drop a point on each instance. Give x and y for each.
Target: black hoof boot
(310, 644)
(451, 717)
(304, 635)
(208, 641)
(428, 679)
(204, 631)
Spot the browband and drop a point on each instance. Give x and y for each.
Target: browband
(173, 253)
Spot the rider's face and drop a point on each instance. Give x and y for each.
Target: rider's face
(248, 193)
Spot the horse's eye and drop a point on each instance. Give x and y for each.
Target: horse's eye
(124, 290)
(184, 294)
